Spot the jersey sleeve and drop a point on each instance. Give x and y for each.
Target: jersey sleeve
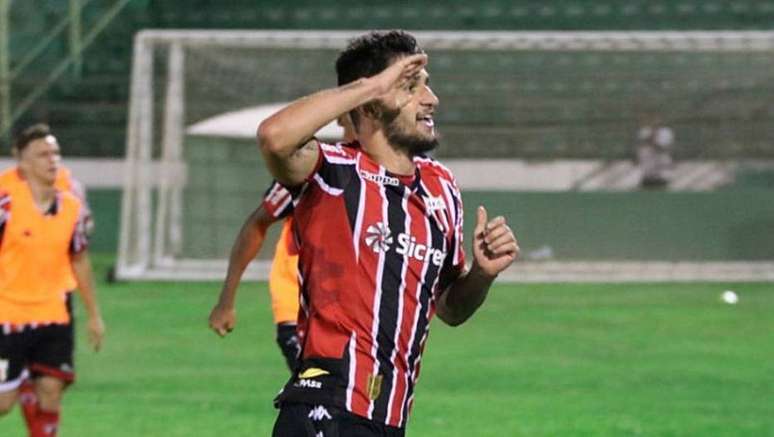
(278, 201)
(334, 167)
(458, 249)
(5, 212)
(80, 238)
(77, 189)
(454, 265)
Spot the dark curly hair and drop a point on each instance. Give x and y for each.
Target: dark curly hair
(371, 53)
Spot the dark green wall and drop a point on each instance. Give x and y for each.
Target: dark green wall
(106, 208)
(89, 112)
(730, 225)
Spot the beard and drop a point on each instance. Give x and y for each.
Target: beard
(414, 143)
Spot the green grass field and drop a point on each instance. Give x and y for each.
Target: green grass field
(537, 360)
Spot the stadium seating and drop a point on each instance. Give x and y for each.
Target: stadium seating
(93, 106)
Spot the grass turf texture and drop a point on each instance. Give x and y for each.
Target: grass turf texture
(537, 360)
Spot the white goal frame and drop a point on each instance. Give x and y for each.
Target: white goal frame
(142, 247)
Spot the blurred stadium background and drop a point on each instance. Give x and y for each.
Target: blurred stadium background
(566, 119)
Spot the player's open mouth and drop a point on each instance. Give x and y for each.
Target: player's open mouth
(427, 120)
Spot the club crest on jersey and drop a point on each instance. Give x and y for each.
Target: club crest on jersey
(379, 178)
(374, 387)
(378, 237)
(433, 203)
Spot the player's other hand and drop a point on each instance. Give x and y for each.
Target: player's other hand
(222, 319)
(96, 328)
(494, 244)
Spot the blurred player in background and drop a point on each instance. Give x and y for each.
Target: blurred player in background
(654, 152)
(283, 278)
(64, 182)
(43, 256)
(379, 231)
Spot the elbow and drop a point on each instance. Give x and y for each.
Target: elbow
(267, 137)
(454, 321)
(451, 319)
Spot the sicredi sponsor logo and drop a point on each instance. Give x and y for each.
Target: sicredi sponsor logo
(379, 239)
(379, 179)
(408, 245)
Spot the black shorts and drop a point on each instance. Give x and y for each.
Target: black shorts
(302, 420)
(44, 350)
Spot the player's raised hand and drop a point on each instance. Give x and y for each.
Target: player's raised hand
(397, 77)
(494, 245)
(222, 320)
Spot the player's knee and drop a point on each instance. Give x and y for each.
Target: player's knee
(49, 391)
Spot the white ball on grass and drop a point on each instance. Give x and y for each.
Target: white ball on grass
(729, 297)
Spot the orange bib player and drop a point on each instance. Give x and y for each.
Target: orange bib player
(43, 256)
(283, 278)
(64, 182)
(283, 286)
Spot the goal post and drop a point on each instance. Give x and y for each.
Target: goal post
(541, 110)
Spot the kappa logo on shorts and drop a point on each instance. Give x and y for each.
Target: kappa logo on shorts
(319, 413)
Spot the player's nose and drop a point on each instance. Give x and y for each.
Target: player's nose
(429, 98)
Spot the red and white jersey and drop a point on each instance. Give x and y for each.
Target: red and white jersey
(373, 247)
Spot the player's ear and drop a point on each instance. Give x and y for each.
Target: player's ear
(371, 110)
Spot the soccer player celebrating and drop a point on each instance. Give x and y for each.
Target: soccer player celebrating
(43, 256)
(379, 231)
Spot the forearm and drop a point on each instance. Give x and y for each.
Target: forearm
(244, 250)
(283, 135)
(464, 296)
(85, 283)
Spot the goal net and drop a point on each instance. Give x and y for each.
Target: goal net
(539, 126)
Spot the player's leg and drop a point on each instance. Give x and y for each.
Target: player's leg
(48, 390)
(28, 400)
(51, 365)
(283, 286)
(12, 360)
